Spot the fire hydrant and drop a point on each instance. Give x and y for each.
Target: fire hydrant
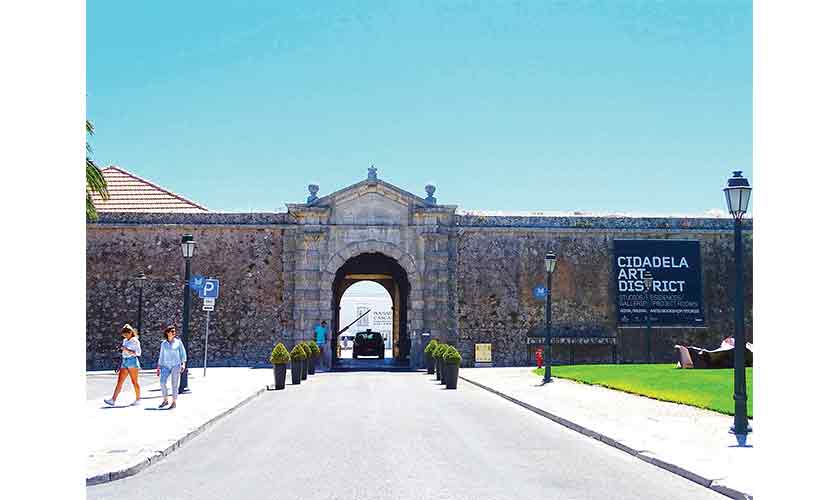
(539, 357)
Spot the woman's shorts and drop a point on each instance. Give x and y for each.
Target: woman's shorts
(131, 362)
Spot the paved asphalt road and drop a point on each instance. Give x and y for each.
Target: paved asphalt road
(378, 436)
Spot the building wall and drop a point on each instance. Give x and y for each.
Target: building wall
(247, 259)
(475, 278)
(498, 267)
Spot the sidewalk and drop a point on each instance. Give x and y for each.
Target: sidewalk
(123, 440)
(688, 441)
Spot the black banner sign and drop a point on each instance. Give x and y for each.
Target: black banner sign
(676, 295)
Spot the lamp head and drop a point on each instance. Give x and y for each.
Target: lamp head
(187, 246)
(737, 193)
(550, 262)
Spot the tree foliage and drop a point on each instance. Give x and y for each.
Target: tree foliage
(94, 180)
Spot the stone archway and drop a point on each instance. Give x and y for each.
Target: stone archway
(414, 303)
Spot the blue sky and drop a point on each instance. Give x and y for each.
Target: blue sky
(631, 106)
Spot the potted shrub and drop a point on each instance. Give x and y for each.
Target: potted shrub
(435, 360)
(452, 362)
(298, 356)
(316, 353)
(279, 358)
(305, 371)
(441, 349)
(427, 352)
(444, 376)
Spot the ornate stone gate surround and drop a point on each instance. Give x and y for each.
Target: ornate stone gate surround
(371, 216)
(415, 297)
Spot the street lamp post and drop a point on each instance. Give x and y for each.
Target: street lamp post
(737, 193)
(550, 262)
(187, 250)
(141, 280)
(648, 279)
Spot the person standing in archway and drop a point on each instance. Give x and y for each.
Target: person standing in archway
(321, 339)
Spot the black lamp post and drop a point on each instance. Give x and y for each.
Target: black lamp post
(187, 250)
(141, 280)
(550, 262)
(647, 277)
(737, 192)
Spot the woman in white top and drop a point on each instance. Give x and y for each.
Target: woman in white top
(171, 362)
(130, 366)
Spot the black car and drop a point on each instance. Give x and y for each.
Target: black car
(368, 343)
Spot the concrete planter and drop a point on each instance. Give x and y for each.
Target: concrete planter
(304, 368)
(430, 364)
(437, 369)
(297, 368)
(279, 377)
(444, 375)
(451, 376)
(310, 364)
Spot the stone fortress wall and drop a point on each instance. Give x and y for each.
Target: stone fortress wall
(500, 261)
(472, 277)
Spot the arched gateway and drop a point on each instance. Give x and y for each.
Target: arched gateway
(373, 231)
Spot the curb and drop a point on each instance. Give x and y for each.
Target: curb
(134, 469)
(640, 454)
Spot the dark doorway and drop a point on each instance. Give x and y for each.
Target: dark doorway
(387, 272)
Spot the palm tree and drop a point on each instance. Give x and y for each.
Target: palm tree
(95, 181)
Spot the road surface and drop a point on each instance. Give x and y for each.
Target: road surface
(373, 435)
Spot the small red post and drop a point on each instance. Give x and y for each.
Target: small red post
(539, 357)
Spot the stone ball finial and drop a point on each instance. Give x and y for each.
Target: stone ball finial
(372, 173)
(313, 193)
(430, 191)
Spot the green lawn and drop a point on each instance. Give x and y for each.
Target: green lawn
(710, 389)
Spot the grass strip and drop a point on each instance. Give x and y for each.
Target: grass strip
(708, 389)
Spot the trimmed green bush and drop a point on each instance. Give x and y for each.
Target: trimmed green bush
(439, 350)
(298, 353)
(452, 356)
(279, 355)
(431, 346)
(316, 351)
(307, 349)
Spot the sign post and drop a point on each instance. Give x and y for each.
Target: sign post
(206, 335)
(209, 291)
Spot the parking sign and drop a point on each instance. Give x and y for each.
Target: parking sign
(210, 289)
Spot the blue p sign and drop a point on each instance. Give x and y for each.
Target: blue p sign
(196, 282)
(210, 289)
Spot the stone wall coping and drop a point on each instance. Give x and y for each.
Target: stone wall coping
(610, 223)
(658, 224)
(200, 218)
(618, 233)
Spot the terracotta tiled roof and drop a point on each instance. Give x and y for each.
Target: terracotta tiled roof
(130, 193)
